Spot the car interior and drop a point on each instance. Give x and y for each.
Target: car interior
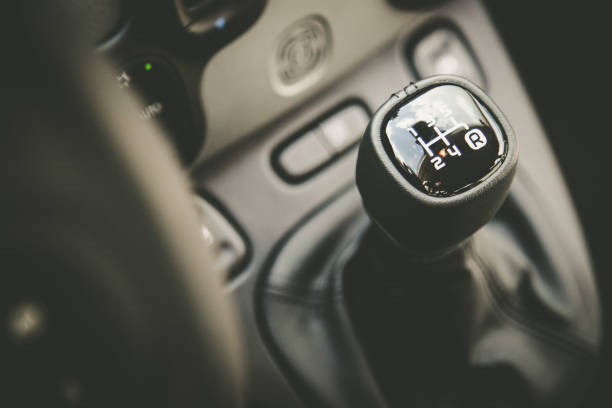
(291, 204)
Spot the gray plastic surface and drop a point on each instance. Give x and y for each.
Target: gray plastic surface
(357, 29)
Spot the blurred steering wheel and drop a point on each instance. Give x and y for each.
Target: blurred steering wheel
(107, 297)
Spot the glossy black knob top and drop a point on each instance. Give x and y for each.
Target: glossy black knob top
(436, 163)
(444, 141)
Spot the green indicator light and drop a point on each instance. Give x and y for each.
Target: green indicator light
(148, 66)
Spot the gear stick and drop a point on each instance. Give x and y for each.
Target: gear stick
(438, 301)
(435, 164)
(467, 319)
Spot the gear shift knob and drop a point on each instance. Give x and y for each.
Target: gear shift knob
(435, 163)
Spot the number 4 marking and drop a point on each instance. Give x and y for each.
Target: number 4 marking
(453, 150)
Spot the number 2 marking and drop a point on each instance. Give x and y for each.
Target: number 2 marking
(437, 162)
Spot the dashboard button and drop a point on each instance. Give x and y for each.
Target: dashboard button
(345, 128)
(304, 155)
(443, 51)
(324, 140)
(228, 247)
